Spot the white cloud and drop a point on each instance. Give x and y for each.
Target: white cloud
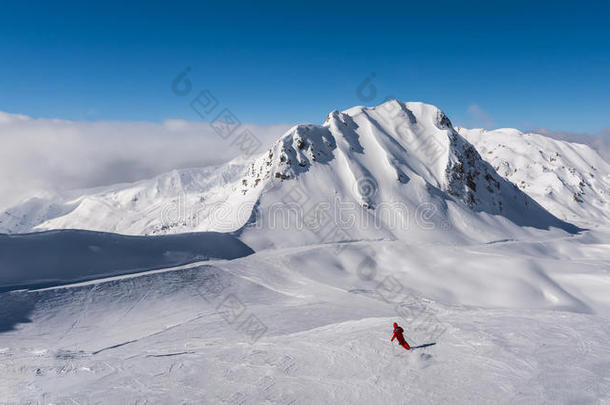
(38, 155)
(480, 118)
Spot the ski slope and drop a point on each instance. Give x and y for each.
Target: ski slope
(511, 325)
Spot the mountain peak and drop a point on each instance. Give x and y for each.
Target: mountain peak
(403, 153)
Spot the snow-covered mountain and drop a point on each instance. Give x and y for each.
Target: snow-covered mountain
(571, 180)
(399, 166)
(398, 170)
(380, 215)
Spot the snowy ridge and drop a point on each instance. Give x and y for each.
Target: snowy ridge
(569, 179)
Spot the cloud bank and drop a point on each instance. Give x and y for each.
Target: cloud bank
(38, 156)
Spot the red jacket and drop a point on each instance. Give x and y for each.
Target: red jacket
(398, 335)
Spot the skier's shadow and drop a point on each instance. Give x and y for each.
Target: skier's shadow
(424, 345)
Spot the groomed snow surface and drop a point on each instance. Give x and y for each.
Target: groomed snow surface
(502, 288)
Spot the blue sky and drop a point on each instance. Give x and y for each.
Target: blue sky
(503, 64)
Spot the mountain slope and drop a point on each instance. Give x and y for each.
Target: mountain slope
(153, 206)
(569, 179)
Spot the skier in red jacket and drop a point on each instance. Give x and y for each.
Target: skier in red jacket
(398, 336)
